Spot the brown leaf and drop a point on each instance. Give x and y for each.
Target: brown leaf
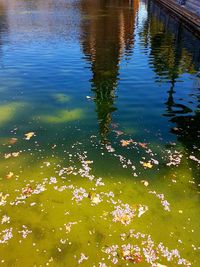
(143, 145)
(126, 142)
(13, 141)
(27, 191)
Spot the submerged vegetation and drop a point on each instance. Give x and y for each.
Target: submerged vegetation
(61, 98)
(9, 111)
(63, 116)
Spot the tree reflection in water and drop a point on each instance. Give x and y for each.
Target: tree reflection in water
(174, 52)
(105, 53)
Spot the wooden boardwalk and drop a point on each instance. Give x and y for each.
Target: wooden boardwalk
(189, 18)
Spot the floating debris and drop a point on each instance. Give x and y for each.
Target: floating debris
(145, 183)
(174, 158)
(5, 219)
(68, 226)
(24, 232)
(95, 198)
(82, 258)
(194, 158)
(13, 141)
(125, 213)
(146, 164)
(126, 142)
(79, 194)
(164, 202)
(6, 235)
(29, 135)
(9, 175)
(9, 155)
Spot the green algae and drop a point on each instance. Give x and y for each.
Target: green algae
(63, 116)
(9, 111)
(61, 98)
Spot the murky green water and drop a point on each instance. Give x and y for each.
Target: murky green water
(100, 135)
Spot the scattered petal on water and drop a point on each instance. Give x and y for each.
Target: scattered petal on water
(82, 258)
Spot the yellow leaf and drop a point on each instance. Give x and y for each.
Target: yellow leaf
(9, 175)
(15, 154)
(29, 135)
(68, 228)
(88, 162)
(146, 183)
(7, 156)
(147, 165)
(95, 198)
(160, 265)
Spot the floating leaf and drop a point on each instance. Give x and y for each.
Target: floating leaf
(130, 255)
(29, 135)
(147, 165)
(9, 175)
(126, 142)
(143, 145)
(88, 161)
(95, 198)
(68, 226)
(3, 199)
(146, 183)
(12, 141)
(7, 156)
(15, 154)
(142, 210)
(27, 191)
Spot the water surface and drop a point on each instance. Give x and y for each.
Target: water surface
(100, 136)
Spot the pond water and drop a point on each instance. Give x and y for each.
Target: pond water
(100, 135)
